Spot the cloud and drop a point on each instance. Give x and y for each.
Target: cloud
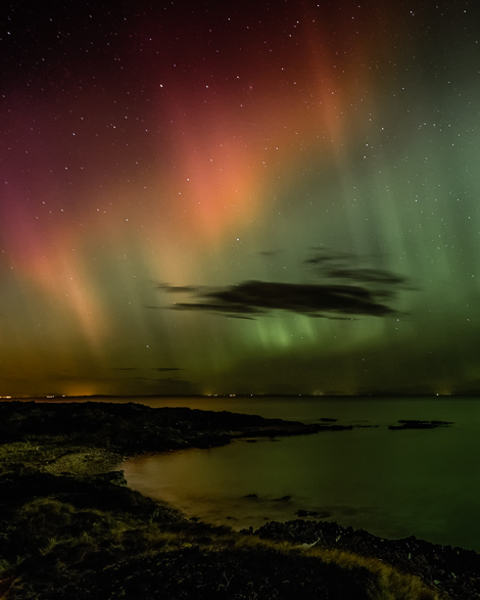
(163, 369)
(324, 255)
(347, 290)
(178, 289)
(337, 265)
(368, 275)
(234, 309)
(262, 297)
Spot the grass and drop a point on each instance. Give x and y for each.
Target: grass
(57, 454)
(387, 584)
(54, 543)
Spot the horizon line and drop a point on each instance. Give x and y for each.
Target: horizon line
(471, 393)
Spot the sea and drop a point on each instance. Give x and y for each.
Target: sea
(391, 483)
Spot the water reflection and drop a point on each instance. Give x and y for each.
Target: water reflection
(393, 484)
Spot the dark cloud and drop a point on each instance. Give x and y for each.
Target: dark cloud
(125, 369)
(348, 289)
(232, 309)
(163, 369)
(381, 276)
(337, 265)
(324, 256)
(261, 297)
(178, 289)
(331, 318)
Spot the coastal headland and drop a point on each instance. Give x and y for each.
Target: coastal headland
(71, 528)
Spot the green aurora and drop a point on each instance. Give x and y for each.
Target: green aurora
(248, 199)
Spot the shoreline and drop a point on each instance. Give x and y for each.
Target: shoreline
(57, 466)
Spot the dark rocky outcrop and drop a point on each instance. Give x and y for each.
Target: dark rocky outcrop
(453, 570)
(313, 513)
(415, 424)
(21, 485)
(131, 428)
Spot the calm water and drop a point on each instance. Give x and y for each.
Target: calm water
(391, 483)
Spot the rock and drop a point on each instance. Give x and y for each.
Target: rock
(313, 513)
(455, 570)
(335, 427)
(416, 424)
(306, 513)
(132, 428)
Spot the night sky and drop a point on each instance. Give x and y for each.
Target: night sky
(257, 198)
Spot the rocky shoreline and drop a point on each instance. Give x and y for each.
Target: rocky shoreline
(416, 424)
(69, 526)
(135, 428)
(452, 570)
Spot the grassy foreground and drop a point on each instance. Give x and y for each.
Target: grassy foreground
(70, 528)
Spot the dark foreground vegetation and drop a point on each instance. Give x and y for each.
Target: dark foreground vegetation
(70, 528)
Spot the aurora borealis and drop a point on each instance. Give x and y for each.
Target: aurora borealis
(245, 197)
